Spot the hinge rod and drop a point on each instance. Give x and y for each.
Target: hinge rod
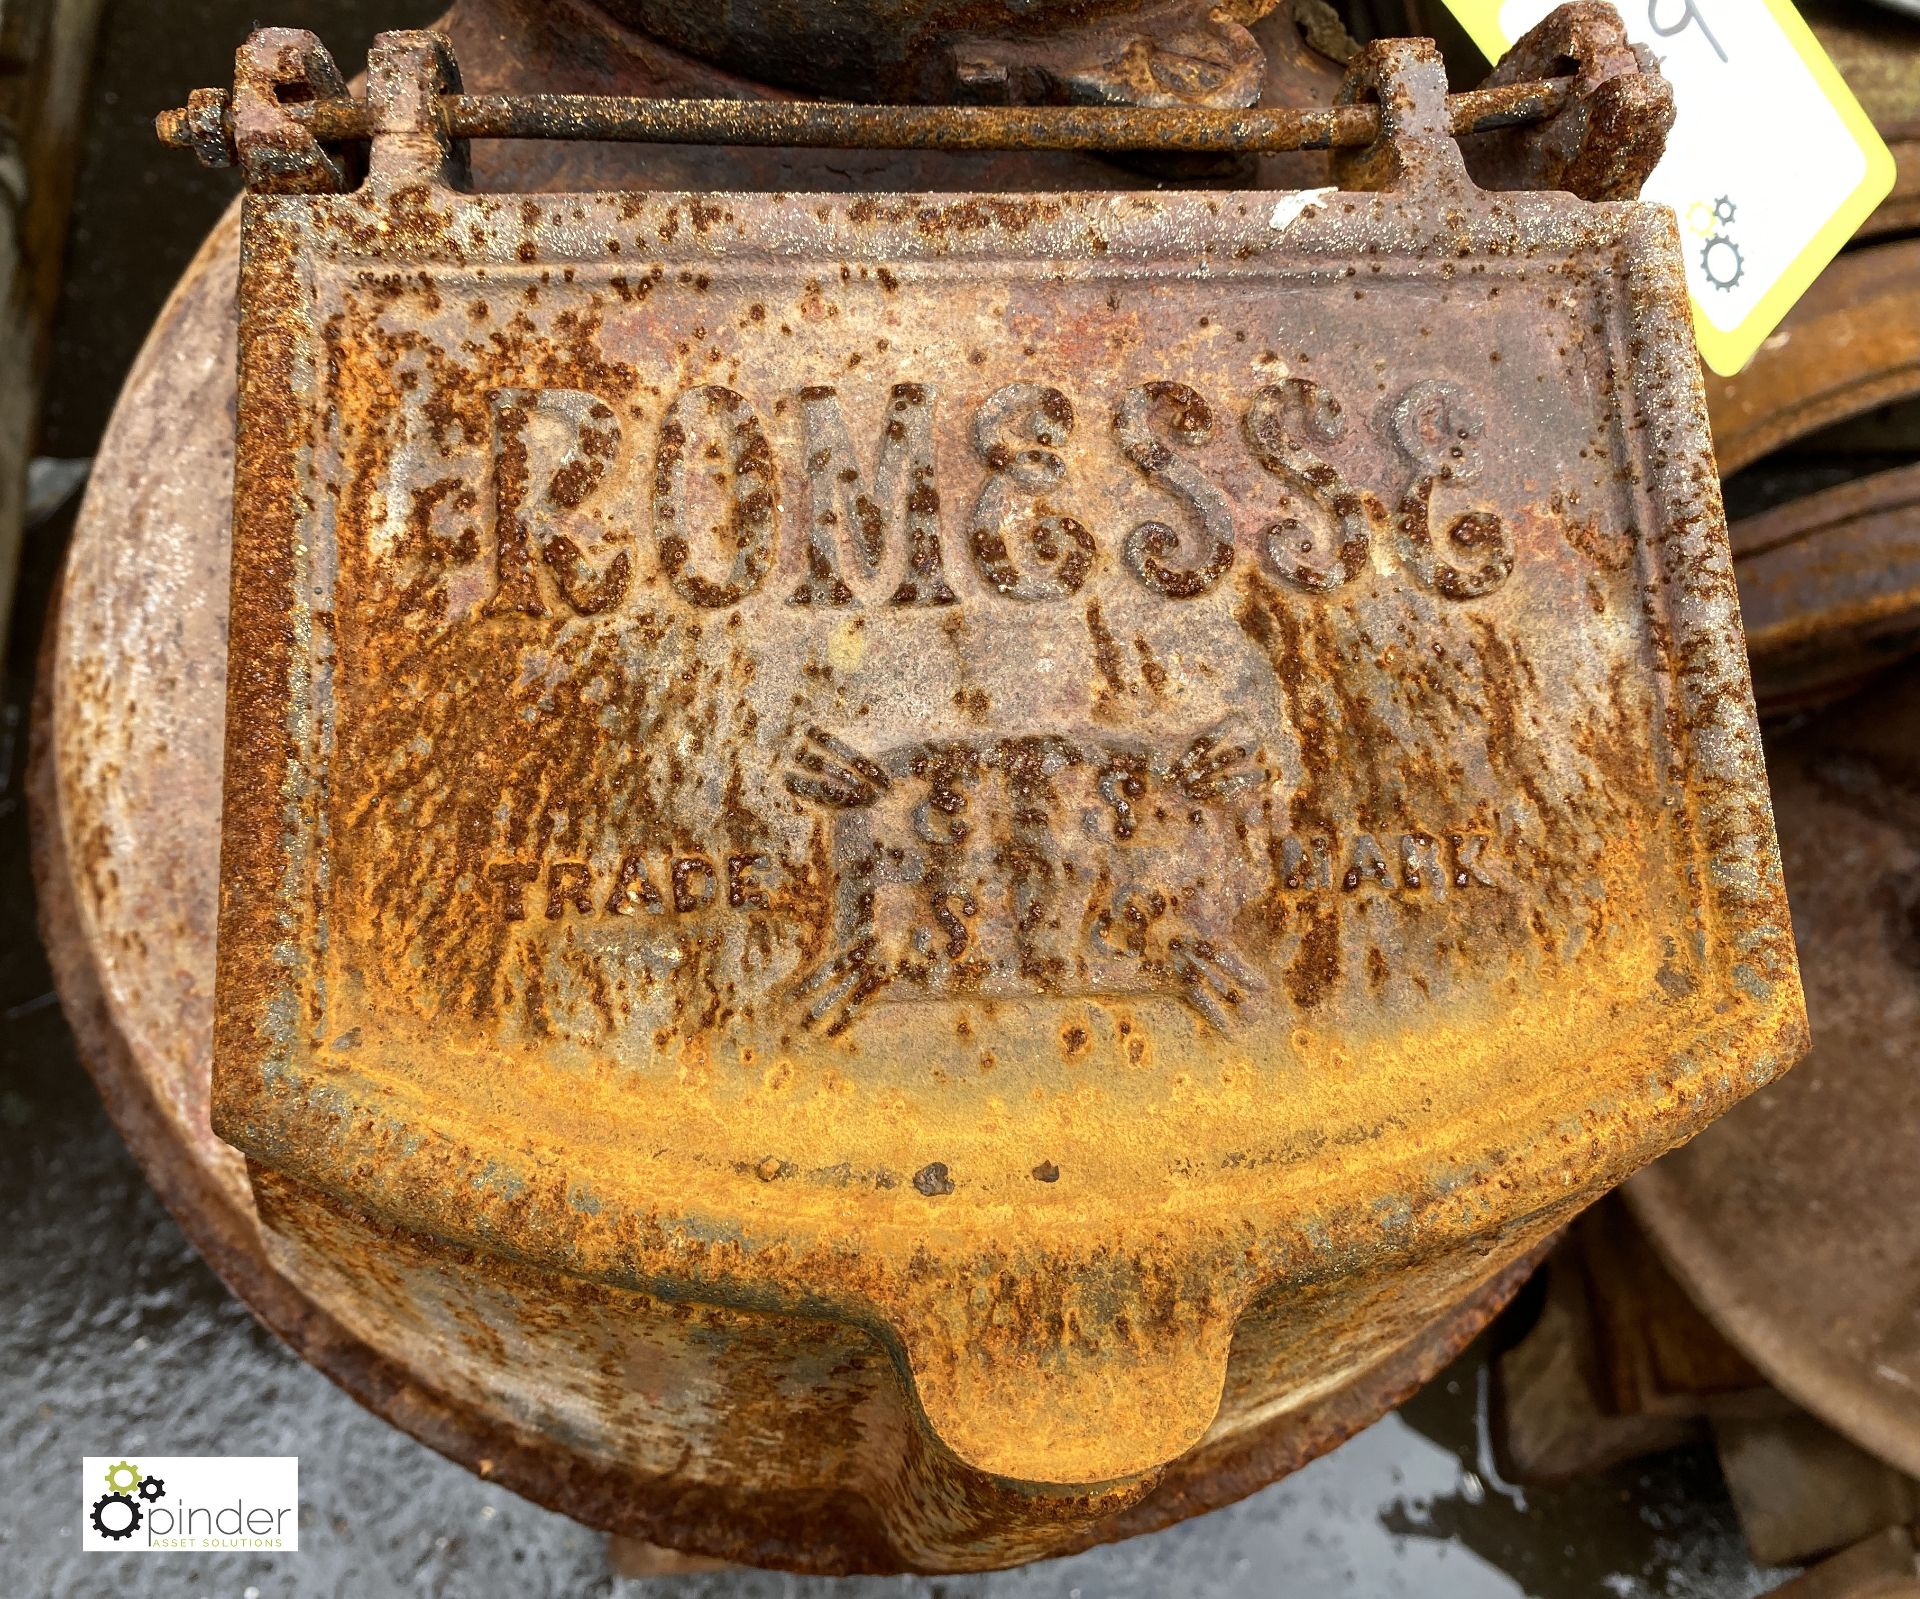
(843, 126)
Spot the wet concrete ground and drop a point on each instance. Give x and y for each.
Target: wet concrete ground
(117, 1340)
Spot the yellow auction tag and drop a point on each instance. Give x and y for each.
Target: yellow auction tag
(1771, 164)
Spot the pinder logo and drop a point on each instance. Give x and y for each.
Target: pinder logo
(191, 1502)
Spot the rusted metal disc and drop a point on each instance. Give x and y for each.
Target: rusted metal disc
(1851, 344)
(126, 791)
(1793, 1220)
(1830, 587)
(127, 796)
(1828, 582)
(1879, 56)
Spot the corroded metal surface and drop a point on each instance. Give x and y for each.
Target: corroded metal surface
(1830, 587)
(1792, 1222)
(1091, 806)
(1850, 344)
(1828, 582)
(1139, 51)
(1879, 56)
(1607, 143)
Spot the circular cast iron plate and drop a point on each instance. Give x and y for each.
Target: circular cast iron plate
(1853, 343)
(126, 799)
(1791, 1220)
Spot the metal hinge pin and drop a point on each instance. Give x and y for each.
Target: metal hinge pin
(836, 125)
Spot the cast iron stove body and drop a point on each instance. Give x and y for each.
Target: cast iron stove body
(930, 856)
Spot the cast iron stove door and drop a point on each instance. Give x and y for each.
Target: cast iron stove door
(1048, 777)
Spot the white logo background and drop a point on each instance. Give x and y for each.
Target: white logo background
(171, 1503)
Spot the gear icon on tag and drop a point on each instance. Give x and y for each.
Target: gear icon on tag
(123, 1478)
(1724, 211)
(125, 1502)
(1722, 262)
(152, 1488)
(1700, 219)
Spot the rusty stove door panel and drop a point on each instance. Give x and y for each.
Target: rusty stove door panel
(1030, 775)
